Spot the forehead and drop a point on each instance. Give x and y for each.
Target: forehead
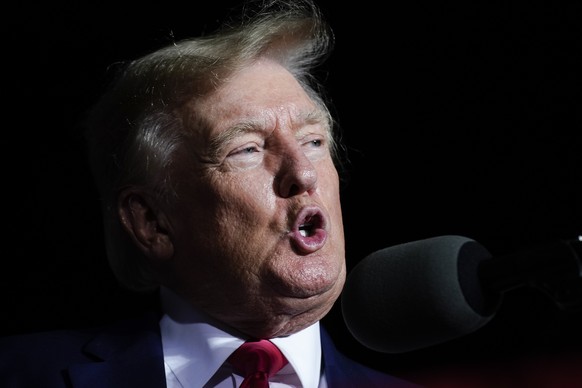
(263, 92)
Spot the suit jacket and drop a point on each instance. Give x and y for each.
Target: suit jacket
(129, 354)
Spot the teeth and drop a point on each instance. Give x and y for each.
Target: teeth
(303, 232)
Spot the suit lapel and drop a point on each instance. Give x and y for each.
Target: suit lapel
(333, 372)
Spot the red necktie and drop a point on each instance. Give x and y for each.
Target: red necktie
(257, 361)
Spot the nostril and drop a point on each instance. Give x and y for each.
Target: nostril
(293, 190)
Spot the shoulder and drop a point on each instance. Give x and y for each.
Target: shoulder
(41, 358)
(49, 342)
(70, 341)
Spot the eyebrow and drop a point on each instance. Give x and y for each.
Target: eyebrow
(218, 142)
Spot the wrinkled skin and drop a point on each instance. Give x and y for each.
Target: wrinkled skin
(256, 238)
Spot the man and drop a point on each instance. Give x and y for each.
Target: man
(216, 163)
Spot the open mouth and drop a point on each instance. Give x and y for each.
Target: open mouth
(310, 231)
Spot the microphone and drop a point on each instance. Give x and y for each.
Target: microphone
(427, 292)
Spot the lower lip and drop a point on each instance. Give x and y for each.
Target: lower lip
(309, 244)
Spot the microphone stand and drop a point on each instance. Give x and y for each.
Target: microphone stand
(555, 269)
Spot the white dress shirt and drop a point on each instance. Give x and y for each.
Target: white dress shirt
(196, 348)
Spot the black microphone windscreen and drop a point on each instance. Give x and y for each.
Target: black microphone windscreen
(416, 294)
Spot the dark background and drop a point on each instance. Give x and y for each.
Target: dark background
(461, 118)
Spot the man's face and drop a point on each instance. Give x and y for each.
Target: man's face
(257, 230)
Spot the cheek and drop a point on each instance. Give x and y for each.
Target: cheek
(333, 203)
(246, 199)
(242, 216)
(329, 190)
(223, 197)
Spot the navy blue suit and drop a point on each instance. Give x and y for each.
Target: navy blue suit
(129, 354)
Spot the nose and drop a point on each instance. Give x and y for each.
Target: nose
(296, 175)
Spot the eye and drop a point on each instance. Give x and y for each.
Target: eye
(246, 150)
(315, 147)
(246, 156)
(314, 142)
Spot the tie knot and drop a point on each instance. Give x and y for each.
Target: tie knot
(257, 356)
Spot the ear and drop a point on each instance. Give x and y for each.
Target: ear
(146, 225)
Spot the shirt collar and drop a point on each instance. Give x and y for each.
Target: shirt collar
(195, 345)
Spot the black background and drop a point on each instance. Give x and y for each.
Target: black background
(461, 118)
